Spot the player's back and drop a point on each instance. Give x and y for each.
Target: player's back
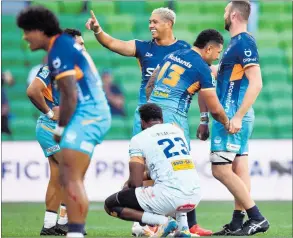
(149, 55)
(168, 159)
(66, 57)
(232, 82)
(182, 74)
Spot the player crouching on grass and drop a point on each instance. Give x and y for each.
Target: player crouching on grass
(173, 193)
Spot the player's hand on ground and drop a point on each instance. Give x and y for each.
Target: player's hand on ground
(56, 113)
(203, 132)
(92, 23)
(235, 125)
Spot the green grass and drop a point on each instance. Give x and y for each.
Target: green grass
(26, 219)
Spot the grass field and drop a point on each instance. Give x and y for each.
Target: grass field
(26, 219)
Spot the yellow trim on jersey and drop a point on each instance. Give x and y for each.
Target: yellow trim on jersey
(137, 159)
(251, 64)
(206, 89)
(66, 73)
(90, 121)
(47, 128)
(237, 72)
(193, 88)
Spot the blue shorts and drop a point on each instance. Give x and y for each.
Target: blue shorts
(45, 136)
(221, 140)
(87, 128)
(169, 116)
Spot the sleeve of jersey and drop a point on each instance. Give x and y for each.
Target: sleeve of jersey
(44, 75)
(248, 54)
(61, 60)
(135, 149)
(139, 48)
(207, 80)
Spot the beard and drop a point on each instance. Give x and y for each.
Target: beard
(227, 24)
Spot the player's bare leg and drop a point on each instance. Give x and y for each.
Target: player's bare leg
(241, 193)
(240, 167)
(114, 208)
(74, 165)
(53, 198)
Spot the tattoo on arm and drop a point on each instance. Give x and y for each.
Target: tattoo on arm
(151, 83)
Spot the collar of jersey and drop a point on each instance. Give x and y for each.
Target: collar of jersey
(52, 40)
(165, 45)
(196, 51)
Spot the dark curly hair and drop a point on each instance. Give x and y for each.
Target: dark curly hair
(72, 32)
(150, 111)
(38, 18)
(208, 36)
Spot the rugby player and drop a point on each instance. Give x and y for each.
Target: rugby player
(162, 148)
(84, 115)
(46, 99)
(183, 73)
(239, 82)
(149, 54)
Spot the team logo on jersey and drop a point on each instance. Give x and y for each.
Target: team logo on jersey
(45, 72)
(148, 54)
(213, 80)
(70, 136)
(217, 140)
(56, 63)
(247, 52)
(183, 164)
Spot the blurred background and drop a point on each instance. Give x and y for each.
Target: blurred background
(270, 23)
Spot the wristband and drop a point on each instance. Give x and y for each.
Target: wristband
(204, 114)
(50, 114)
(97, 33)
(58, 130)
(204, 118)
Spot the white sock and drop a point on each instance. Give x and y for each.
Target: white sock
(74, 235)
(181, 219)
(153, 219)
(63, 219)
(50, 219)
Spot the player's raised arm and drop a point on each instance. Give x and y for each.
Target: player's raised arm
(126, 48)
(151, 83)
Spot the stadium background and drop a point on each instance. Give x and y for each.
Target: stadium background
(129, 20)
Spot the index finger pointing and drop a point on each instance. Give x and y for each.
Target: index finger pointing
(93, 14)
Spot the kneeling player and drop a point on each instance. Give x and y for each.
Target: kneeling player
(163, 149)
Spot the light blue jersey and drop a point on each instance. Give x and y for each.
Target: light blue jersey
(45, 126)
(182, 73)
(232, 85)
(92, 118)
(149, 56)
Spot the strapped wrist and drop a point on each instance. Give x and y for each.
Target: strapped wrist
(99, 31)
(50, 114)
(58, 131)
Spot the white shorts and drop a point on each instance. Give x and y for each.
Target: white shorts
(165, 201)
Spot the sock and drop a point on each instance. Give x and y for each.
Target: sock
(75, 230)
(181, 219)
(63, 219)
(237, 220)
(254, 214)
(74, 235)
(153, 219)
(50, 219)
(191, 218)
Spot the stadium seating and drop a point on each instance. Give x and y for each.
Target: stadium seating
(129, 20)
